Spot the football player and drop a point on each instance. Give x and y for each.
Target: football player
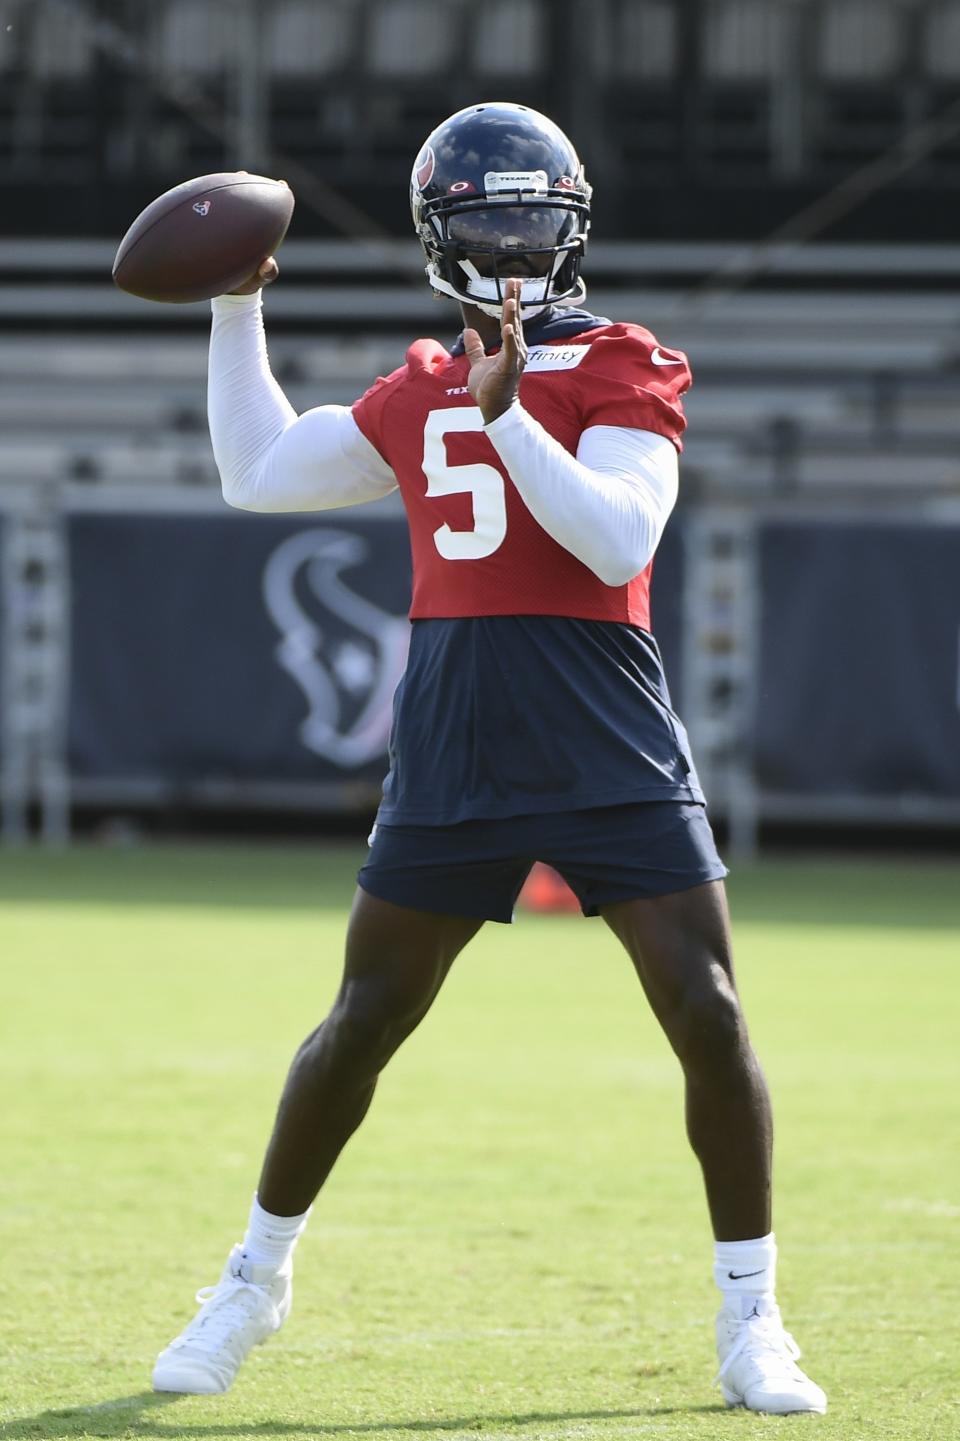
(537, 462)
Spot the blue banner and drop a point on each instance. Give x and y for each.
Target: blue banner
(858, 689)
(235, 646)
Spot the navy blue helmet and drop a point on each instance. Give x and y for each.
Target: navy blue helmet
(498, 190)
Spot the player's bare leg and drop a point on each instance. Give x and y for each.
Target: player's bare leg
(680, 947)
(396, 961)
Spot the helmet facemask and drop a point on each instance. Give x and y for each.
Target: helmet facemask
(475, 247)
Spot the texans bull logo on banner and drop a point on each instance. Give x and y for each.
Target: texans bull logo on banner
(344, 652)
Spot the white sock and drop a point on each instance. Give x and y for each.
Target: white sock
(270, 1239)
(746, 1272)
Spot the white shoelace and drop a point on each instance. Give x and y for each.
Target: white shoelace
(767, 1335)
(216, 1323)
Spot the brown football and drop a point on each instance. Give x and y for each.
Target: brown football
(204, 237)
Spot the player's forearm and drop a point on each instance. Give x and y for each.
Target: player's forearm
(608, 505)
(246, 408)
(269, 458)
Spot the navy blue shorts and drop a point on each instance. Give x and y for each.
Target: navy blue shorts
(609, 854)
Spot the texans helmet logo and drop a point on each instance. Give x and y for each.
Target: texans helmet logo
(425, 167)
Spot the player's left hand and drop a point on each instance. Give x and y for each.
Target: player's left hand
(494, 380)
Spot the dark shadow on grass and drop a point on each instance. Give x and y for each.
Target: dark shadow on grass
(127, 1416)
(103, 1418)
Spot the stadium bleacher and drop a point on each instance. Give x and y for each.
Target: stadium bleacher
(838, 390)
(736, 108)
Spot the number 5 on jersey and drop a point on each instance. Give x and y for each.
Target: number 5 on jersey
(483, 482)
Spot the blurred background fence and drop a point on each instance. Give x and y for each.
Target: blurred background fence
(777, 193)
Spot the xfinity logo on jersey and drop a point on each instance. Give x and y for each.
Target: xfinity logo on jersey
(345, 653)
(554, 357)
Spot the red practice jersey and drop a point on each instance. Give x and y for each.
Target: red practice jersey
(476, 548)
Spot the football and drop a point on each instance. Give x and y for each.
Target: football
(203, 238)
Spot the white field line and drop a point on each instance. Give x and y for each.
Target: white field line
(914, 1206)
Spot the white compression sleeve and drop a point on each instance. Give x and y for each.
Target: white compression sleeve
(608, 505)
(269, 458)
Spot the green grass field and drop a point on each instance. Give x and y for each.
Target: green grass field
(515, 1244)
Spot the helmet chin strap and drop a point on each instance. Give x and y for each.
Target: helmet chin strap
(530, 312)
(488, 293)
(481, 291)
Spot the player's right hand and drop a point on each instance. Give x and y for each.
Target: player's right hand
(265, 274)
(494, 380)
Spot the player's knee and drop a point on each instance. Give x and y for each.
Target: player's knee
(709, 1031)
(370, 1020)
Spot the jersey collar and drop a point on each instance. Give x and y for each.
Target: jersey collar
(558, 323)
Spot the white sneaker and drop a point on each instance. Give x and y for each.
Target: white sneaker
(246, 1306)
(758, 1364)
